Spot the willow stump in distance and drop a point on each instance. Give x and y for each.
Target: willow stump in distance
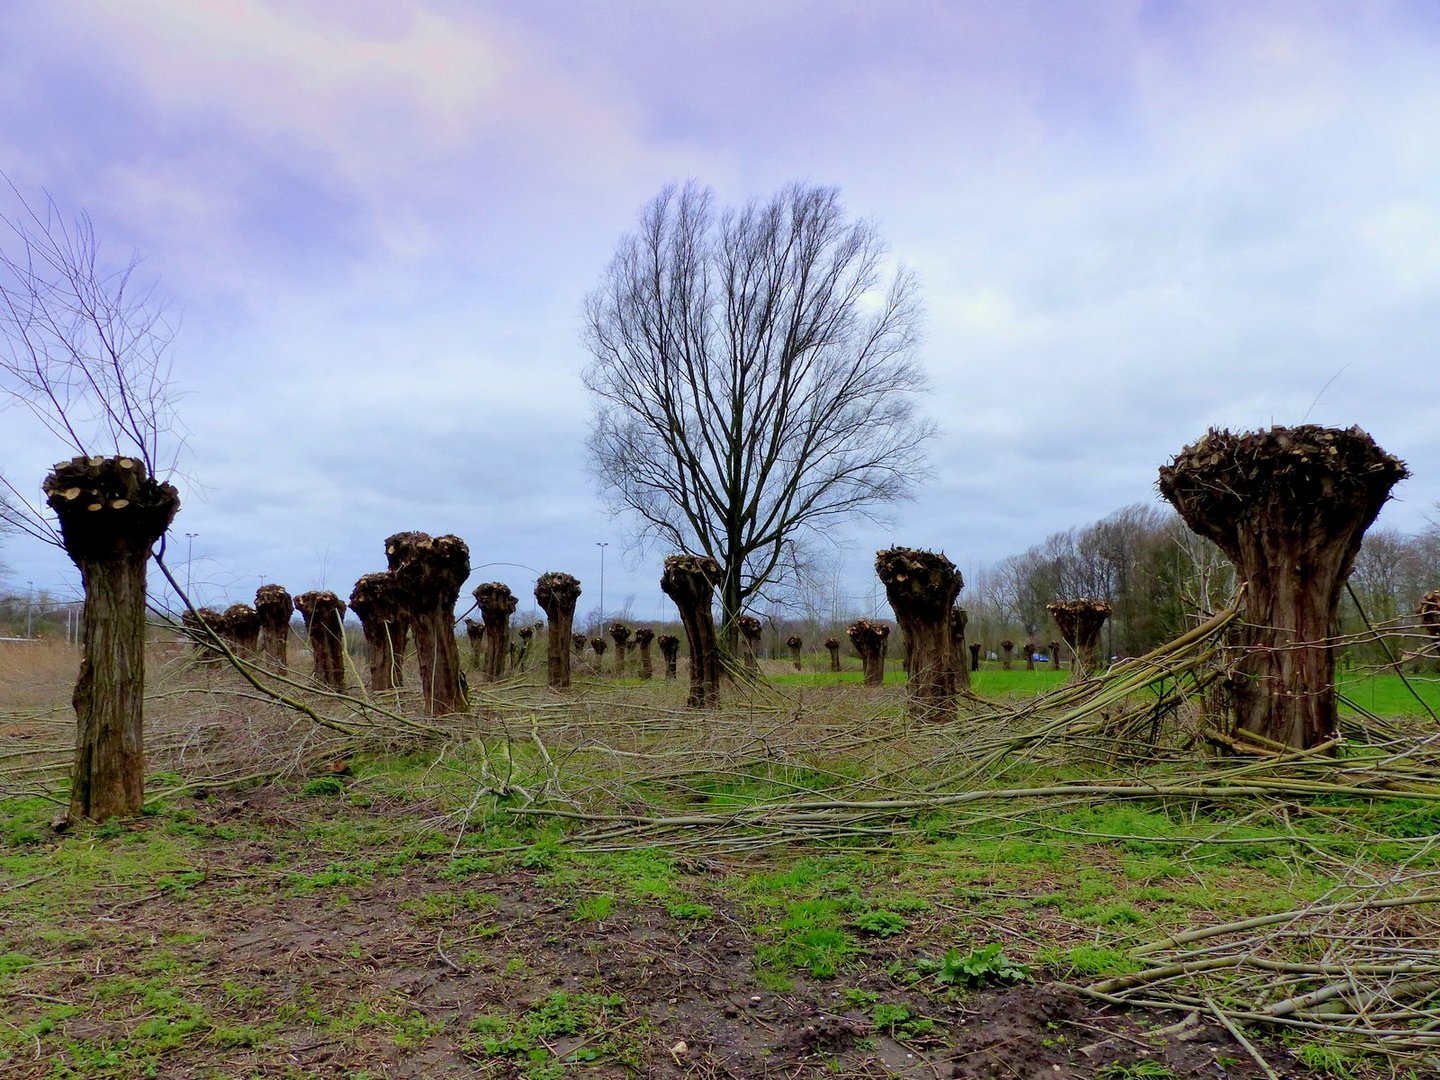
(975, 657)
(1006, 648)
(1029, 656)
(1429, 612)
(921, 587)
(428, 573)
(598, 646)
(376, 603)
(557, 593)
(643, 637)
(240, 626)
(475, 635)
(794, 644)
(273, 607)
(324, 615)
(1055, 655)
(525, 634)
(832, 645)
(959, 619)
(497, 604)
(1080, 622)
(690, 581)
(750, 630)
(200, 624)
(670, 650)
(869, 640)
(111, 512)
(620, 634)
(1289, 507)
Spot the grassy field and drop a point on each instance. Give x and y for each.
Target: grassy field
(803, 883)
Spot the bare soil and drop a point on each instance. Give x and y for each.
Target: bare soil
(384, 975)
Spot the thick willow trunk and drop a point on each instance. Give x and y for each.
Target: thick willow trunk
(794, 644)
(1006, 648)
(110, 513)
(324, 615)
(1080, 622)
(620, 634)
(670, 650)
(1289, 506)
(832, 646)
(643, 637)
(429, 572)
(1055, 655)
(689, 580)
(975, 656)
(497, 604)
(922, 587)
(273, 607)
(557, 594)
(750, 631)
(959, 619)
(376, 603)
(869, 640)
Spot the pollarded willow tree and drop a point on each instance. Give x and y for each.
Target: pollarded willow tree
(1289, 507)
(428, 572)
(497, 604)
(82, 347)
(375, 600)
(754, 378)
(1079, 622)
(869, 640)
(689, 580)
(557, 593)
(324, 615)
(273, 607)
(750, 631)
(922, 587)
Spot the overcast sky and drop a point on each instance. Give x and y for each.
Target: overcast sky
(378, 219)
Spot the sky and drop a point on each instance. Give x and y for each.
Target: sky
(374, 223)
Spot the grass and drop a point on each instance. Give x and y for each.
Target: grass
(118, 944)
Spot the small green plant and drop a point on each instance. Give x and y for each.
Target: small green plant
(595, 908)
(900, 1023)
(988, 964)
(323, 785)
(690, 909)
(1144, 1069)
(882, 924)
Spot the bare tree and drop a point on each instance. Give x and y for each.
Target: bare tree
(82, 346)
(753, 377)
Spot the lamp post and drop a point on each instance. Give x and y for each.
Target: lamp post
(189, 558)
(602, 545)
(29, 607)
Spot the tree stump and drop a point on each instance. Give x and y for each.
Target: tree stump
(690, 581)
(1080, 622)
(869, 641)
(598, 645)
(1055, 655)
(324, 615)
(670, 650)
(376, 603)
(959, 619)
(832, 645)
(240, 626)
(750, 630)
(921, 587)
(1429, 612)
(475, 635)
(794, 644)
(1006, 648)
(199, 625)
(1289, 507)
(643, 637)
(525, 634)
(273, 607)
(429, 572)
(620, 634)
(111, 512)
(1029, 656)
(975, 656)
(557, 594)
(497, 604)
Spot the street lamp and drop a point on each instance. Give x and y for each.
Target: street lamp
(602, 545)
(189, 558)
(29, 607)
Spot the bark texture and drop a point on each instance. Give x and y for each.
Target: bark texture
(557, 594)
(1079, 622)
(922, 587)
(199, 625)
(497, 604)
(240, 626)
(273, 607)
(1289, 507)
(690, 581)
(869, 640)
(324, 615)
(110, 513)
(375, 600)
(832, 645)
(429, 572)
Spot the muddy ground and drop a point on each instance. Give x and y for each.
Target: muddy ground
(230, 969)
